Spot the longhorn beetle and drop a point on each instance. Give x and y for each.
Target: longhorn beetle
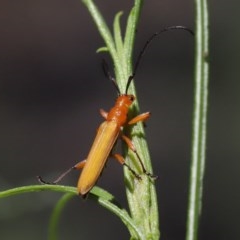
(110, 130)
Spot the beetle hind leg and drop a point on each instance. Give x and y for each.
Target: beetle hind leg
(130, 145)
(121, 160)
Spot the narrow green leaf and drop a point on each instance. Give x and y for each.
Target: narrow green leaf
(36, 188)
(117, 32)
(102, 49)
(55, 217)
(124, 216)
(102, 28)
(96, 192)
(130, 34)
(199, 119)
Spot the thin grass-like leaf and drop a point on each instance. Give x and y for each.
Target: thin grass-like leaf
(56, 214)
(117, 32)
(199, 119)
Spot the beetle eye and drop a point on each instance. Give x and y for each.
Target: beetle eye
(132, 98)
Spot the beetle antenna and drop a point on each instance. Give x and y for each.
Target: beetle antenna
(41, 180)
(109, 76)
(147, 44)
(129, 81)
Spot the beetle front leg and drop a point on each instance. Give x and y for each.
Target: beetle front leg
(140, 118)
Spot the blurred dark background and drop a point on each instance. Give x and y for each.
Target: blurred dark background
(52, 86)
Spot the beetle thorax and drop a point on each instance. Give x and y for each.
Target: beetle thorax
(119, 112)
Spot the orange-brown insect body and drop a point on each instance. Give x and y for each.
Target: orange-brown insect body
(109, 131)
(104, 141)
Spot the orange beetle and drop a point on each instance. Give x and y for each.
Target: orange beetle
(110, 130)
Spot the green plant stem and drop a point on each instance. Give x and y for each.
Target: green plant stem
(141, 194)
(199, 119)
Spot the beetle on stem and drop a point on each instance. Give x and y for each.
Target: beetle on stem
(110, 130)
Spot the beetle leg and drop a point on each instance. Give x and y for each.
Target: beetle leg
(78, 166)
(130, 144)
(140, 118)
(121, 160)
(103, 113)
